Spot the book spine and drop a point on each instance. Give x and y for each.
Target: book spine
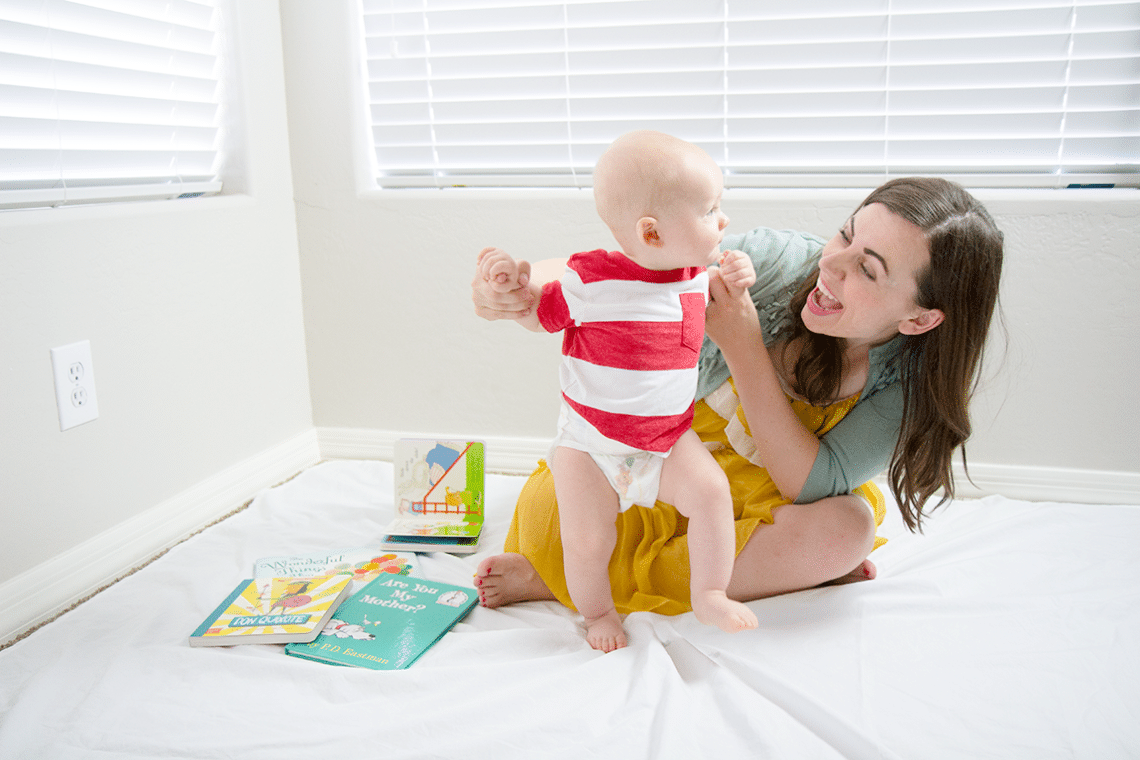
(220, 609)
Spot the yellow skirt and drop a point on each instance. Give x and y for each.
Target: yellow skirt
(649, 569)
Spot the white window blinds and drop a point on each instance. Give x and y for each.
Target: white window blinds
(822, 93)
(104, 100)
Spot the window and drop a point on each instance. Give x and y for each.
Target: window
(104, 100)
(824, 93)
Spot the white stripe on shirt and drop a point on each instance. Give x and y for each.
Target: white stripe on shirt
(622, 391)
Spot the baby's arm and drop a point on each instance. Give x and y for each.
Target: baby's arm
(737, 272)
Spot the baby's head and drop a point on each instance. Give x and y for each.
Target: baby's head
(660, 197)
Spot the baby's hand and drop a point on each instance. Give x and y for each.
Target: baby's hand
(736, 271)
(499, 270)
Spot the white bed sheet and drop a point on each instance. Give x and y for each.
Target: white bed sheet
(1008, 630)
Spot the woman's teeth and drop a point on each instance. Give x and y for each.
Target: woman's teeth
(826, 300)
(822, 303)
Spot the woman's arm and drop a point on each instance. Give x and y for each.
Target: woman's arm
(786, 447)
(858, 448)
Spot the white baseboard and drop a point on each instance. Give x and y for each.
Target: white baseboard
(1048, 484)
(518, 456)
(53, 586)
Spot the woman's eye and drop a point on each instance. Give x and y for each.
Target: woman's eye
(867, 271)
(843, 234)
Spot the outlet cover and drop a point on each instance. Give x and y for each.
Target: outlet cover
(74, 384)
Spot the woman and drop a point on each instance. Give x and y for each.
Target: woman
(851, 356)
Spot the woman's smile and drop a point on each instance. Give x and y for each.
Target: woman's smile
(822, 303)
(868, 278)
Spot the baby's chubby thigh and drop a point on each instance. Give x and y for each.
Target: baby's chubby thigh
(692, 481)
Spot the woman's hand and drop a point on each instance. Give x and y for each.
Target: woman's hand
(730, 318)
(500, 289)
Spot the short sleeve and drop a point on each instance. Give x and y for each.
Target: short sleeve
(553, 311)
(858, 448)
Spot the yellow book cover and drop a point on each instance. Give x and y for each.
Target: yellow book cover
(273, 611)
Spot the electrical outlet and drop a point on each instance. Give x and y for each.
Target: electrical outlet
(74, 384)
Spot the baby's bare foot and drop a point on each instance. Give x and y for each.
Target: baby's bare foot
(714, 608)
(605, 633)
(509, 578)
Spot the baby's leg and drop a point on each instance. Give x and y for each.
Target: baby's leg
(695, 484)
(587, 512)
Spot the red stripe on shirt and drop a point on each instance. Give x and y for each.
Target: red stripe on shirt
(601, 264)
(647, 433)
(633, 345)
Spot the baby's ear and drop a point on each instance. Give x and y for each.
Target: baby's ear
(647, 231)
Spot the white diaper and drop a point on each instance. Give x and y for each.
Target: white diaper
(634, 474)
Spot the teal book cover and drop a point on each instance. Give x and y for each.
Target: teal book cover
(389, 623)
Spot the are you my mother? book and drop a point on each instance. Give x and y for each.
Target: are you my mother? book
(389, 623)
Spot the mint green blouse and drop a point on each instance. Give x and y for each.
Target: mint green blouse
(860, 446)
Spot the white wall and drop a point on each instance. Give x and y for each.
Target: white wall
(393, 344)
(193, 311)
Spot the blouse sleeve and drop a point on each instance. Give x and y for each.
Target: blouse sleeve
(782, 259)
(858, 448)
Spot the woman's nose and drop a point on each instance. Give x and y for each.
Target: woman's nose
(833, 264)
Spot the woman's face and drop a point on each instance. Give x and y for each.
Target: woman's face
(868, 279)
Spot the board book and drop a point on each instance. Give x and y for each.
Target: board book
(273, 611)
(439, 496)
(362, 564)
(389, 623)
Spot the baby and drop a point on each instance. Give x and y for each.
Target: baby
(634, 323)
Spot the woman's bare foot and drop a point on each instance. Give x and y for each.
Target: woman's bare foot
(509, 578)
(714, 608)
(605, 633)
(865, 572)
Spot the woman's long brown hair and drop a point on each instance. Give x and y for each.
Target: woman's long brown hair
(939, 368)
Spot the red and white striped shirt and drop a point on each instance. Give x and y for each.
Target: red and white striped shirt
(631, 343)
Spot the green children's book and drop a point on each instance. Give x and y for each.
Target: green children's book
(273, 611)
(389, 623)
(439, 496)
